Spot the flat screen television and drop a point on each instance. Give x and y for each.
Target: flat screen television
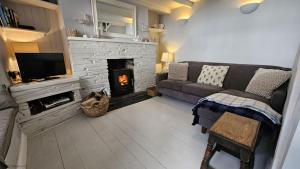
(40, 65)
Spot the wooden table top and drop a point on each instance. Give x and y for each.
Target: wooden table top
(237, 129)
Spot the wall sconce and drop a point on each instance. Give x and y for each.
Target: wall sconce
(183, 21)
(249, 6)
(182, 14)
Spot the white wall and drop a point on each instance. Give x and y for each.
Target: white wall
(293, 156)
(219, 32)
(142, 21)
(3, 76)
(4, 80)
(73, 9)
(291, 116)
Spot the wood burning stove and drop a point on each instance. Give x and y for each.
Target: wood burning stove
(120, 76)
(122, 82)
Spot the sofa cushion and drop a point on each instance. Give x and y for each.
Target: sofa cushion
(179, 95)
(201, 90)
(246, 95)
(277, 100)
(173, 84)
(213, 75)
(178, 71)
(265, 81)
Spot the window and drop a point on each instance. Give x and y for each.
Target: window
(113, 18)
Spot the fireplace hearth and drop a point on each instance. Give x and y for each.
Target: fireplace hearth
(120, 73)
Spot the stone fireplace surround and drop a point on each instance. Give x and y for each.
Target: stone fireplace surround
(89, 56)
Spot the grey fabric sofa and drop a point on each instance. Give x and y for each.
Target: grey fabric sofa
(8, 111)
(235, 83)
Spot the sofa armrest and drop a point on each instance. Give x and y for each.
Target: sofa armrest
(161, 76)
(6, 100)
(278, 100)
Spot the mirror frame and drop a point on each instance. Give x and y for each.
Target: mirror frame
(115, 3)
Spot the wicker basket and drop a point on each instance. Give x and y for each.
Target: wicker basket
(96, 104)
(152, 91)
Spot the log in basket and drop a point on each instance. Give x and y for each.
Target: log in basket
(96, 104)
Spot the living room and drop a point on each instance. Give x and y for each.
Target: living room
(149, 84)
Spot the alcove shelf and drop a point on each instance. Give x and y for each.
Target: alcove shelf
(48, 35)
(37, 3)
(21, 35)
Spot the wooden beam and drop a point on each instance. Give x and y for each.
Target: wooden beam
(151, 5)
(186, 3)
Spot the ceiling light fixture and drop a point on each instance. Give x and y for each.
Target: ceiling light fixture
(249, 6)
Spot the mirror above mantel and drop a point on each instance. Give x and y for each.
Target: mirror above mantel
(114, 19)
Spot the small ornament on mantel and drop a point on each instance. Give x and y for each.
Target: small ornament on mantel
(72, 32)
(86, 20)
(143, 32)
(145, 40)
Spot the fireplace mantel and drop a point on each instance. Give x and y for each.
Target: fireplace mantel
(110, 40)
(89, 56)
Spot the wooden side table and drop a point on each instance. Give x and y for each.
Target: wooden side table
(233, 134)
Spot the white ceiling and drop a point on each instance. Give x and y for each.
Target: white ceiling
(171, 4)
(163, 6)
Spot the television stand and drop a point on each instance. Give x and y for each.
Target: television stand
(45, 104)
(51, 78)
(41, 80)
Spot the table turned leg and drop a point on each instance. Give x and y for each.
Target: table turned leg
(245, 159)
(252, 160)
(244, 165)
(203, 130)
(209, 152)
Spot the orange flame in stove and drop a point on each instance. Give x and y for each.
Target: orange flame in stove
(123, 80)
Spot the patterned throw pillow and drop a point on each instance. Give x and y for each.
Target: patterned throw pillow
(213, 75)
(265, 81)
(178, 71)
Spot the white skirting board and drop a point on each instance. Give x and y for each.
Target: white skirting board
(17, 153)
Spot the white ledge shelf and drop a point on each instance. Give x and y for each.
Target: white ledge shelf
(34, 85)
(156, 30)
(109, 40)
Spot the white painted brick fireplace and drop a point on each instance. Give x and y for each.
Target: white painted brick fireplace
(89, 56)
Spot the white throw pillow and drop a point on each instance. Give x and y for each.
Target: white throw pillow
(213, 75)
(265, 81)
(178, 71)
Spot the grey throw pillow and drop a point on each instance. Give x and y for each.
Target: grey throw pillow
(213, 75)
(178, 71)
(265, 81)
